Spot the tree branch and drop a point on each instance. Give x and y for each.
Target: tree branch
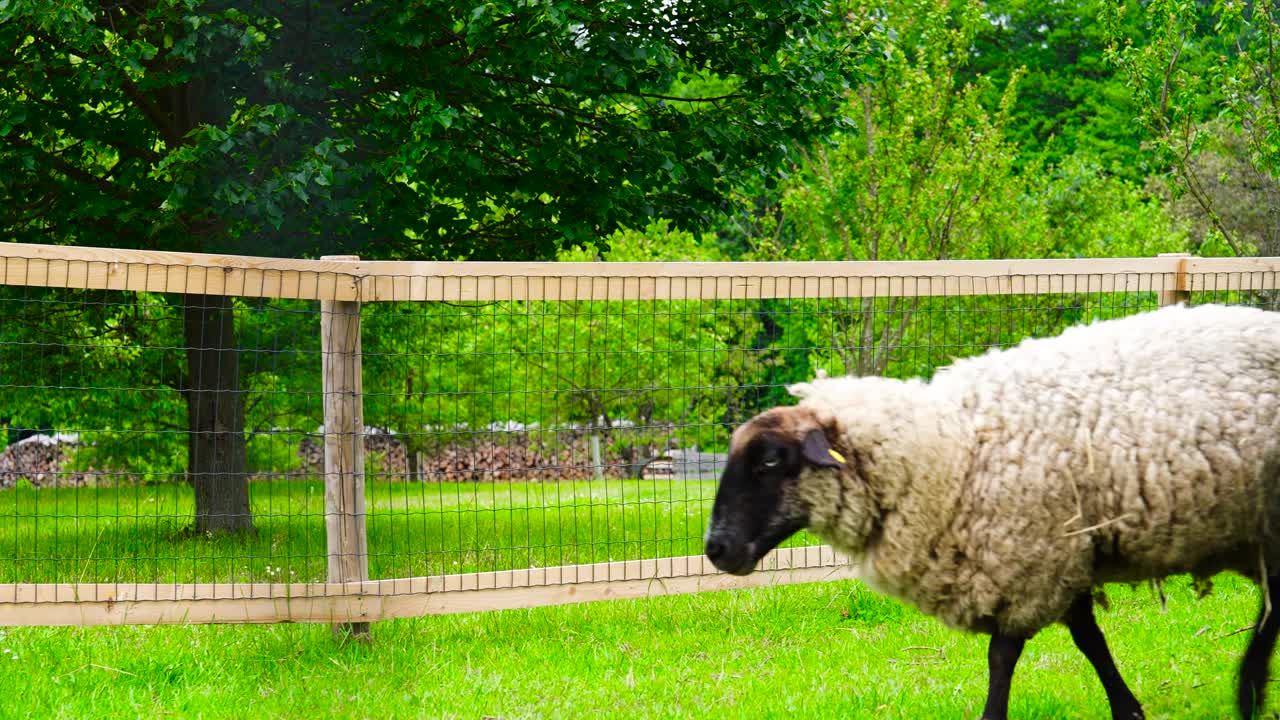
(891, 340)
(1192, 181)
(167, 129)
(1168, 73)
(74, 173)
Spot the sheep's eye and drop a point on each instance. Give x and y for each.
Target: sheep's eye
(772, 460)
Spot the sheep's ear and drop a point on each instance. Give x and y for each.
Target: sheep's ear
(800, 390)
(818, 452)
(804, 390)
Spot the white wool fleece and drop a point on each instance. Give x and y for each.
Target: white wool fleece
(995, 494)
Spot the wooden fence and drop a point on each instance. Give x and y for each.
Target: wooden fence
(343, 284)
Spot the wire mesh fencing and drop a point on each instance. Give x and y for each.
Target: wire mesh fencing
(230, 439)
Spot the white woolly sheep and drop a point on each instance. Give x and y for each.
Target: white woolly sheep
(1000, 494)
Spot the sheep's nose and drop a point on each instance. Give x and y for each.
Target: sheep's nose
(715, 549)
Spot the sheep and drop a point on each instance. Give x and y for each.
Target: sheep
(1001, 494)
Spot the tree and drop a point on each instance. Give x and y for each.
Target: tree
(430, 129)
(1070, 100)
(1204, 80)
(1243, 197)
(604, 365)
(925, 173)
(928, 171)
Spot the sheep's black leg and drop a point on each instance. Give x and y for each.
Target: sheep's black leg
(1253, 669)
(1002, 657)
(1088, 637)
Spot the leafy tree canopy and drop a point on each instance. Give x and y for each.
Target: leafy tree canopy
(499, 129)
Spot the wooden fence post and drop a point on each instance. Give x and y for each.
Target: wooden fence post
(344, 517)
(1181, 292)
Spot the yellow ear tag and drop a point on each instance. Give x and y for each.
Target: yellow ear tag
(839, 458)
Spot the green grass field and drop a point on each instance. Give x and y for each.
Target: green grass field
(138, 534)
(833, 650)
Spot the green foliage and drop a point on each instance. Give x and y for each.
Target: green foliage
(1244, 197)
(1248, 77)
(504, 129)
(429, 129)
(1196, 62)
(1084, 211)
(927, 172)
(932, 168)
(110, 366)
(657, 241)
(651, 363)
(1070, 100)
(609, 131)
(87, 361)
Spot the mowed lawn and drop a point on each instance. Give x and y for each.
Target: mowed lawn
(140, 534)
(833, 650)
(827, 650)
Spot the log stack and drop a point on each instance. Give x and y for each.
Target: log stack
(42, 460)
(496, 458)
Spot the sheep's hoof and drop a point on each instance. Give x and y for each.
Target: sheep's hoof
(1129, 714)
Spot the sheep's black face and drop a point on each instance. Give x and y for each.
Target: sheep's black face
(756, 506)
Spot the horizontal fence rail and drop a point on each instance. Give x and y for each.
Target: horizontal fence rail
(202, 438)
(400, 281)
(372, 600)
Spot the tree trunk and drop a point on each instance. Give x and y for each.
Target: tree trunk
(217, 460)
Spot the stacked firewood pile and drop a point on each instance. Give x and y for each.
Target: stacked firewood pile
(383, 451)
(44, 460)
(512, 457)
(41, 459)
(386, 453)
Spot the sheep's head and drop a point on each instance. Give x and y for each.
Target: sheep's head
(758, 504)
